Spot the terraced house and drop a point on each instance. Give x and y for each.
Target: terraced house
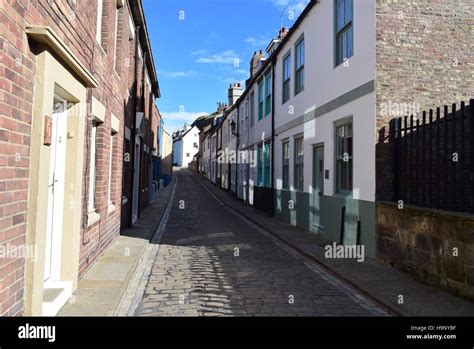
(325, 122)
(318, 114)
(78, 127)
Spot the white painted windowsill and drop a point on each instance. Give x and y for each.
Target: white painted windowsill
(92, 218)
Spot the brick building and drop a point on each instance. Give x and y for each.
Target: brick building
(71, 75)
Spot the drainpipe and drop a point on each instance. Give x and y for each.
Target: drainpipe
(143, 178)
(237, 155)
(133, 131)
(272, 171)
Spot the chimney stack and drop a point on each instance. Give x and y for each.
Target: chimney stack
(235, 91)
(282, 33)
(257, 56)
(275, 42)
(221, 106)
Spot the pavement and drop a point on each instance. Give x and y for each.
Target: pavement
(105, 288)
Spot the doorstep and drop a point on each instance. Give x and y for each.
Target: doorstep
(102, 290)
(379, 281)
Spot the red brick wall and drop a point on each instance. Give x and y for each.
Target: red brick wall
(75, 23)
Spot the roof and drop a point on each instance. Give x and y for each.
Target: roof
(184, 133)
(136, 8)
(274, 54)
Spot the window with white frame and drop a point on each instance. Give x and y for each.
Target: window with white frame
(268, 93)
(344, 30)
(286, 78)
(111, 156)
(116, 37)
(100, 9)
(286, 164)
(246, 111)
(299, 66)
(344, 158)
(260, 100)
(92, 167)
(266, 163)
(259, 165)
(252, 109)
(299, 165)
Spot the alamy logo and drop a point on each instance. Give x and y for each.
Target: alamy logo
(37, 332)
(345, 251)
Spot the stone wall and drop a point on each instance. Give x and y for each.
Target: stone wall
(436, 247)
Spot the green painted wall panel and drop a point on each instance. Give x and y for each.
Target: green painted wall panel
(330, 211)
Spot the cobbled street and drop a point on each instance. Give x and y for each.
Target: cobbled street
(212, 262)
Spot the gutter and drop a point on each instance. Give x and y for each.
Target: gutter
(272, 160)
(139, 18)
(237, 155)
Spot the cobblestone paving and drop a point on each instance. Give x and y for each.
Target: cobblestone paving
(197, 272)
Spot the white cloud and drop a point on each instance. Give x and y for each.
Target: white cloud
(231, 80)
(225, 57)
(257, 42)
(297, 6)
(186, 116)
(241, 71)
(198, 52)
(177, 74)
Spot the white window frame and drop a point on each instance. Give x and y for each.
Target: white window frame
(100, 10)
(298, 161)
(111, 155)
(116, 37)
(286, 81)
(92, 168)
(299, 65)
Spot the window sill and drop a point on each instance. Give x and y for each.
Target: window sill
(110, 208)
(92, 218)
(299, 92)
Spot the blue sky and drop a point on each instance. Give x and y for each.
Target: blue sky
(201, 46)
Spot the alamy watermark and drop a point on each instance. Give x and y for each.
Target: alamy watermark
(399, 109)
(345, 252)
(229, 156)
(9, 250)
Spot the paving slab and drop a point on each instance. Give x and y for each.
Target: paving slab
(101, 290)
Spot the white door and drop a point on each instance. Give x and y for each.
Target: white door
(54, 227)
(136, 179)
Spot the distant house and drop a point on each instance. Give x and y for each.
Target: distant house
(185, 145)
(166, 155)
